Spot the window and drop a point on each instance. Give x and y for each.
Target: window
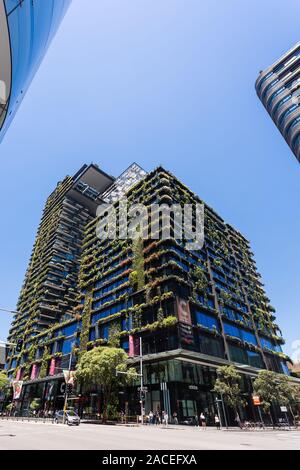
(269, 344)
(92, 335)
(211, 346)
(285, 368)
(68, 345)
(244, 335)
(286, 114)
(255, 359)
(111, 310)
(206, 320)
(237, 354)
(104, 331)
(70, 330)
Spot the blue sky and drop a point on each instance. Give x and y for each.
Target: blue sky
(161, 82)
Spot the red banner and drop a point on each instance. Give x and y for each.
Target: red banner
(34, 372)
(131, 346)
(52, 366)
(134, 346)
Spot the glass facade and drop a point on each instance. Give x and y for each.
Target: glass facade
(278, 87)
(26, 31)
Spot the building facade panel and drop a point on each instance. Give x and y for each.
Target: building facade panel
(27, 29)
(278, 88)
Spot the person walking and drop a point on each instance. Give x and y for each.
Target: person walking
(196, 421)
(175, 419)
(238, 421)
(166, 418)
(150, 417)
(217, 422)
(157, 418)
(203, 421)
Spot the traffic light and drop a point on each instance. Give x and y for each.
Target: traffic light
(19, 345)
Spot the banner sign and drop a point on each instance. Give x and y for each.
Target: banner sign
(131, 346)
(186, 334)
(183, 311)
(256, 400)
(52, 366)
(18, 375)
(69, 376)
(134, 346)
(17, 389)
(34, 372)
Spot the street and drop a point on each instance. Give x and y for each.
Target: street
(41, 436)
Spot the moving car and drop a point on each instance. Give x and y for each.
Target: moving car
(71, 418)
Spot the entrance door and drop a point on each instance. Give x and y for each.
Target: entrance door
(188, 408)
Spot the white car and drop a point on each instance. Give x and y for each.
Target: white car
(71, 418)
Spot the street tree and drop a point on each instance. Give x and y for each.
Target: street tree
(228, 384)
(4, 381)
(35, 404)
(273, 388)
(98, 368)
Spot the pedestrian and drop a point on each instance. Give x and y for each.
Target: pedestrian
(196, 421)
(150, 417)
(175, 419)
(203, 421)
(217, 422)
(238, 421)
(157, 418)
(166, 418)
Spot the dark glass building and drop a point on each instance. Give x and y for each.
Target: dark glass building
(26, 30)
(278, 88)
(194, 310)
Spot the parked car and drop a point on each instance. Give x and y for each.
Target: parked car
(190, 421)
(71, 418)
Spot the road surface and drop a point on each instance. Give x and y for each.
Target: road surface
(40, 436)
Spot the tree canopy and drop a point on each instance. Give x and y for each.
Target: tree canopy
(273, 388)
(4, 381)
(228, 384)
(98, 368)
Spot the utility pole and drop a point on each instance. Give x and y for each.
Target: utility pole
(142, 383)
(66, 391)
(224, 411)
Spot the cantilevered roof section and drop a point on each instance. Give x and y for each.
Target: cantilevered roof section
(89, 184)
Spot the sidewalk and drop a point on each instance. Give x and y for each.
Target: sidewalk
(175, 427)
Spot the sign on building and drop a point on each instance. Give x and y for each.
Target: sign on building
(256, 400)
